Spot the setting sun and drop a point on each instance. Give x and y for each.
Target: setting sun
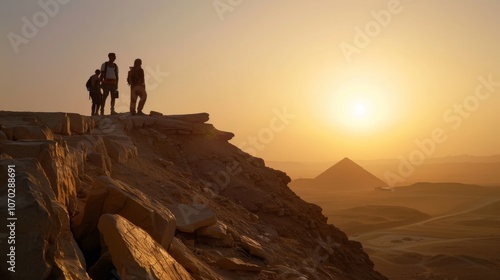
(360, 108)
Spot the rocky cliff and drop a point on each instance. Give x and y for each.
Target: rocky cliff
(154, 197)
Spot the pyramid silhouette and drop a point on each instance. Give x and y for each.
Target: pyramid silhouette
(347, 175)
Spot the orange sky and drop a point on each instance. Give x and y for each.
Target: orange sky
(294, 80)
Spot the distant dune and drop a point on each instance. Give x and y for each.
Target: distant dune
(420, 231)
(492, 209)
(440, 187)
(375, 217)
(480, 170)
(479, 173)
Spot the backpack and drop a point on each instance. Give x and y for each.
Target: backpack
(88, 84)
(132, 76)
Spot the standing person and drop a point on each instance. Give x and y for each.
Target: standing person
(95, 92)
(137, 84)
(109, 79)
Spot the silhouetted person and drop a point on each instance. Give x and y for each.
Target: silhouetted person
(109, 79)
(137, 87)
(95, 92)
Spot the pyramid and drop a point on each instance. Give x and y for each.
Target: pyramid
(347, 175)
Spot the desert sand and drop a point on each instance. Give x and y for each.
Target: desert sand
(420, 231)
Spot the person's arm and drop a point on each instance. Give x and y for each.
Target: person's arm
(103, 72)
(141, 77)
(116, 73)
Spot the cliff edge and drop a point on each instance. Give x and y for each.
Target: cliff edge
(155, 197)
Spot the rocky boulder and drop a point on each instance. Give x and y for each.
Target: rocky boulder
(111, 196)
(186, 257)
(254, 248)
(134, 254)
(59, 166)
(190, 218)
(44, 245)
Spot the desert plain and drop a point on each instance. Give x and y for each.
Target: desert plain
(418, 231)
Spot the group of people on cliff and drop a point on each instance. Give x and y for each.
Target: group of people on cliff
(105, 83)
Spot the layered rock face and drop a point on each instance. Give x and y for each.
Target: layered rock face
(156, 197)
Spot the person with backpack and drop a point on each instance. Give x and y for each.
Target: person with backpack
(135, 79)
(94, 88)
(109, 81)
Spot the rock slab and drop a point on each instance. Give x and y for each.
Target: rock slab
(189, 218)
(135, 254)
(44, 245)
(114, 197)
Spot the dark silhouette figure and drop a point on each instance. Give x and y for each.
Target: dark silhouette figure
(109, 79)
(137, 84)
(95, 92)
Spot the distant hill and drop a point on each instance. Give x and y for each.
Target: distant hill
(344, 175)
(298, 170)
(440, 187)
(479, 170)
(476, 173)
(439, 160)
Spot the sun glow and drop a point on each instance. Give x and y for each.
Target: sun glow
(360, 107)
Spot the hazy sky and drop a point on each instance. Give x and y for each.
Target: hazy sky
(294, 80)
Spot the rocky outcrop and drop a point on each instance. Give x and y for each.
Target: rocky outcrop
(190, 261)
(32, 124)
(110, 196)
(58, 164)
(134, 254)
(254, 248)
(159, 197)
(40, 238)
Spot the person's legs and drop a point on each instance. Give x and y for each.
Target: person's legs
(105, 93)
(99, 103)
(95, 102)
(133, 99)
(114, 93)
(144, 96)
(113, 105)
